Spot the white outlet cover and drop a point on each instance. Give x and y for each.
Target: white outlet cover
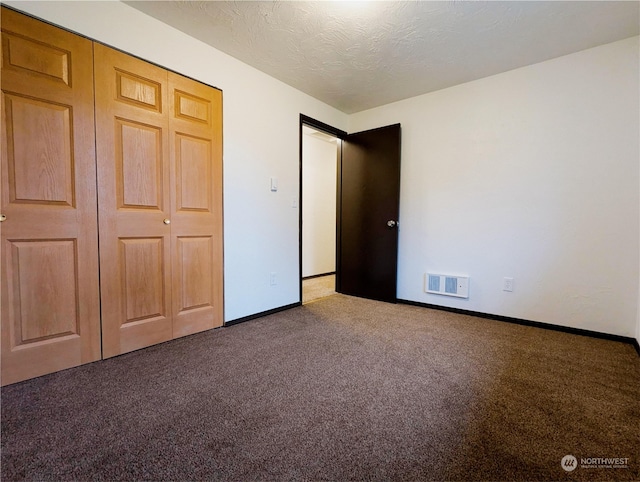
(507, 284)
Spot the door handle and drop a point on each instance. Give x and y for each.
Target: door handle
(167, 221)
(392, 224)
(3, 218)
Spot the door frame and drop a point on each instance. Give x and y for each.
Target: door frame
(340, 134)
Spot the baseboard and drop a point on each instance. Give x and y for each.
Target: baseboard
(536, 324)
(262, 313)
(318, 275)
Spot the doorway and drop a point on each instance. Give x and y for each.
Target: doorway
(319, 174)
(320, 151)
(367, 201)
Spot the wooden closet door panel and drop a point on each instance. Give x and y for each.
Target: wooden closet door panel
(134, 206)
(50, 294)
(195, 125)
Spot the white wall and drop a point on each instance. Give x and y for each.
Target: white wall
(261, 139)
(319, 171)
(530, 174)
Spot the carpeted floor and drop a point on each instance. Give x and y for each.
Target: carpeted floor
(316, 288)
(339, 389)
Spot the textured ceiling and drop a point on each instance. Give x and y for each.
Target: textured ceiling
(359, 55)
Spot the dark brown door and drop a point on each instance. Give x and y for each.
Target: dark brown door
(369, 200)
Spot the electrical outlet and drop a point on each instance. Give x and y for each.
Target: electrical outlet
(273, 279)
(507, 284)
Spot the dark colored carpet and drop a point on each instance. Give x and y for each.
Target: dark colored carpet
(340, 389)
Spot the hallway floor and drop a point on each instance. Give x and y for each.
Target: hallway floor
(316, 288)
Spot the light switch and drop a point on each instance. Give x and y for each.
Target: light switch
(274, 184)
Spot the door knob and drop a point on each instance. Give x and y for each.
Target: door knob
(392, 224)
(167, 221)
(3, 217)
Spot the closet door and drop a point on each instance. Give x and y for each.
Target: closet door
(132, 128)
(195, 126)
(50, 298)
(159, 148)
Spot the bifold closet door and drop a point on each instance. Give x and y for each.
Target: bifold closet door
(132, 139)
(160, 203)
(50, 295)
(195, 126)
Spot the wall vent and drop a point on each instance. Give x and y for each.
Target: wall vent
(447, 285)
